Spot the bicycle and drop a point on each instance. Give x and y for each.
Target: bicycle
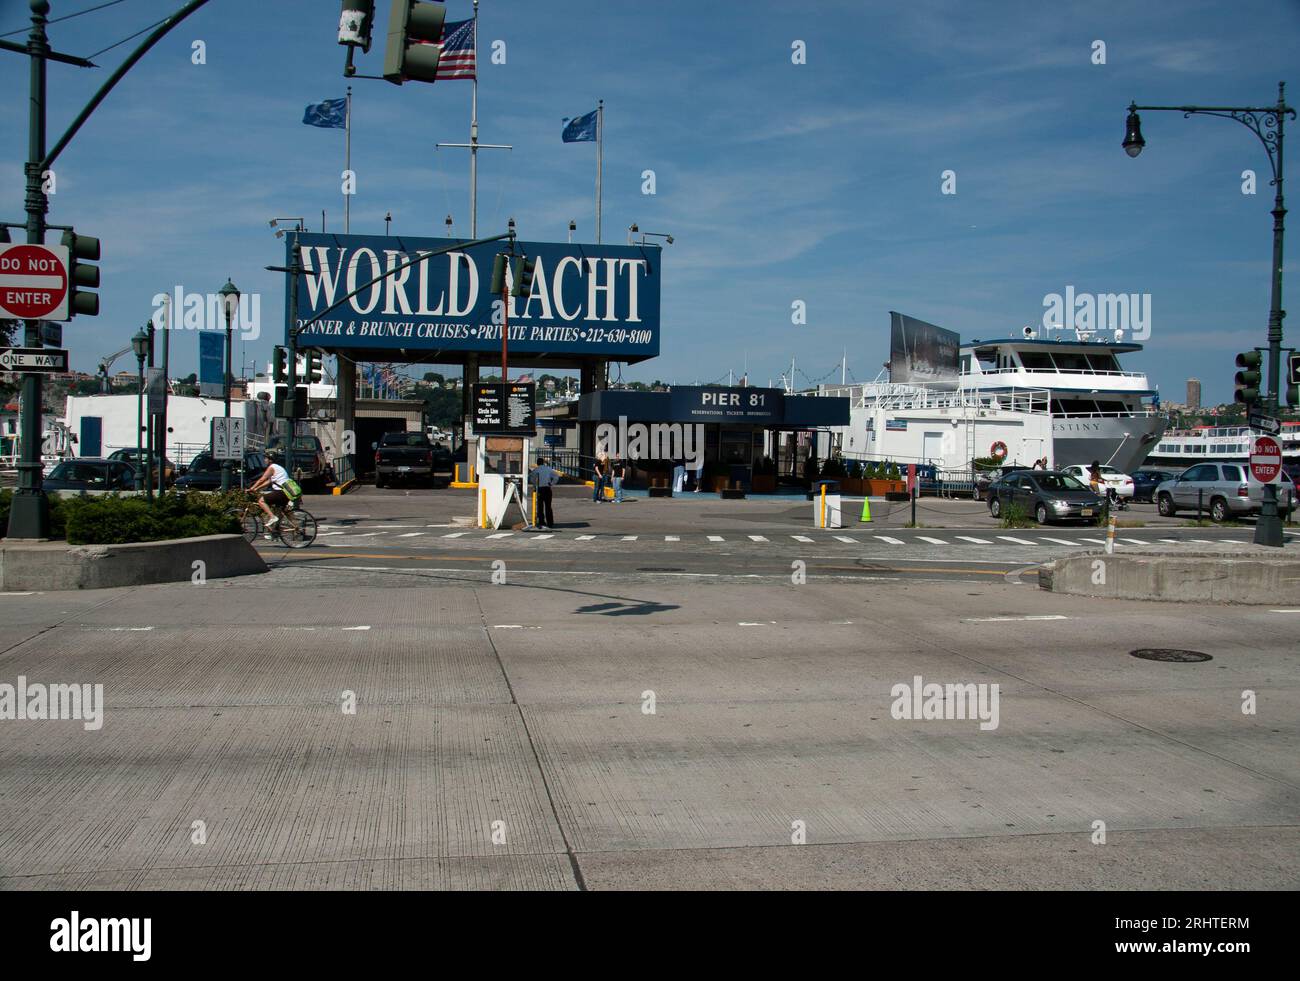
(295, 529)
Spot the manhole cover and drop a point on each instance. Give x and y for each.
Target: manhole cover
(1166, 654)
(660, 568)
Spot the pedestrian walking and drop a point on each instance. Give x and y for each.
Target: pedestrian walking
(545, 477)
(617, 472)
(602, 476)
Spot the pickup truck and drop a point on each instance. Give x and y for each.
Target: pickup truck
(409, 456)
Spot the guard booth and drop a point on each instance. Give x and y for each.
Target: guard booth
(505, 421)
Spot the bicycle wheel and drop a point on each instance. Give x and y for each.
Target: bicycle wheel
(299, 534)
(251, 523)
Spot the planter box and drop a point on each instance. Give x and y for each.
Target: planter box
(763, 483)
(879, 488)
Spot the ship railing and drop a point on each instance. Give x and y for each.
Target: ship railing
(1127, 414)
(1053, 371)
(905, 398)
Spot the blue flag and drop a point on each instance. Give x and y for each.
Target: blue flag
(330, 114)
(580, 130)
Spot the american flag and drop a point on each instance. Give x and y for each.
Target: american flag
(457, 59)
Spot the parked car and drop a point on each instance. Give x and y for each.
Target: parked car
(1145, 483)
(986, 479)
(309, 463)
(1049, 495)
(1121, 482)
(409, 456)
(91, 474)
(1226, 490)
(132, 457)
(204, 472)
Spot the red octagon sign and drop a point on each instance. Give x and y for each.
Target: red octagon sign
(33, 282)
(1265, 460)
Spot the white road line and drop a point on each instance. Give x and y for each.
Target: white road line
(886, 538)
(512, 626)
(757, 538)
(129, 630)
(1016, 541)
(1060, 541)
(672, 538)
(716, 538)
(932, 541)
(363, 627)
(585, 538)
(412, 534)
(1132, 541)
(801, 538)
(456, 534)
(1011, 619)
(339, 545)
(630, 538)
(1093, 541)
(502, 534)
(1172, 541)
(542, 538)
(1203, 541)
(17, 594)
(1270, 611)
(975, 541)
(846, 539)
(759, 623)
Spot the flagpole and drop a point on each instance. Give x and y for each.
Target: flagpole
(347, 166)
(600, 161)
(473, 140)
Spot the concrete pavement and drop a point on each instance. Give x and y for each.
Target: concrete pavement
(503, 736)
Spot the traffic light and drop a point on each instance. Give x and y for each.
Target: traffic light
(355, 23)
(280, 365)
(1293, 381)
(499, 274)
(287, 408)
(414, 30)
(1247, 380)
(315, 367)
(82, 250)
(524, 270)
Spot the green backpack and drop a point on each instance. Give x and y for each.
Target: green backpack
(292, 489)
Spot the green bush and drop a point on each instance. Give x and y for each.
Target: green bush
(114, 520)
(833, 469)
(1015, 516)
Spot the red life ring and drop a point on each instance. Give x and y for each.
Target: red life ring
(999, 450)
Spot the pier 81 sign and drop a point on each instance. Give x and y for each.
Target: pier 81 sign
(591, 300)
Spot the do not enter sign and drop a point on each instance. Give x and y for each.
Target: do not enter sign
(34, 282)
(1265, 460)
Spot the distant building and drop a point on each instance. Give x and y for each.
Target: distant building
(1193, 393)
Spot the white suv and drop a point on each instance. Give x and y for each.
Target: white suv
(1122, 482)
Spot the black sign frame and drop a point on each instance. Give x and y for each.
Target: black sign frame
(493, 402)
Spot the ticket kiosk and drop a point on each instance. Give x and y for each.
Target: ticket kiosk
(505, 424)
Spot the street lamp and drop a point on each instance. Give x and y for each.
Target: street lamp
(230, 303)
(140, 346)
(662, 235)
(573, 227)
(1266, 123)
(632, 232)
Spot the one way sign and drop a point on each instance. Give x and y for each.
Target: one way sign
(38, 359)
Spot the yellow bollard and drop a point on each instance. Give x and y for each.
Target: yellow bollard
(482, 507)
(823, 524)
(534, 507)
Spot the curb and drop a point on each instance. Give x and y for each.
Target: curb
(52, 566)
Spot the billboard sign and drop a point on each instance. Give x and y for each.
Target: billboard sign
(921, 352)
(710, 403)
(505, 409)
(593, 300)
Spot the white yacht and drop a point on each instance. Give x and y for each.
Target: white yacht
(1183, 447)
(1099, 411)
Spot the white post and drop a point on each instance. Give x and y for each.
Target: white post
(473, 140)
(347, 166)
(600, 160)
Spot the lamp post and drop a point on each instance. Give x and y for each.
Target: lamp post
(140, 347)
(230, 303)
(1267, 123)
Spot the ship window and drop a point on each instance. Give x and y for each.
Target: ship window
(1103, 362)
(1037, 361)
(1067, 361)
(965, 364)
(988, 357)
(1110, 406)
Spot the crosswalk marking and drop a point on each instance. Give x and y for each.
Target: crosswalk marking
(585, 538)
(716, 538)
(672, 538)
(629, 538)
(456, 534)
(1171, 541)
(503, 534)
(757, 538)
(886, 538)
(412, 534)
(1093, 541)
(542, 538)
(975, 541)
(1131, 541)
(1016, 541)
(801, 538)
(1059, 541)
(1203, 541)
(846, 539)
(932, 541)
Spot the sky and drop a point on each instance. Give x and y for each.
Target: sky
(818, 183)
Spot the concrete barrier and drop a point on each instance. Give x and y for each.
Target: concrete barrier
(42, 566)
(1246, 575)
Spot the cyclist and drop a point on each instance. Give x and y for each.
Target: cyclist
(275, 477)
